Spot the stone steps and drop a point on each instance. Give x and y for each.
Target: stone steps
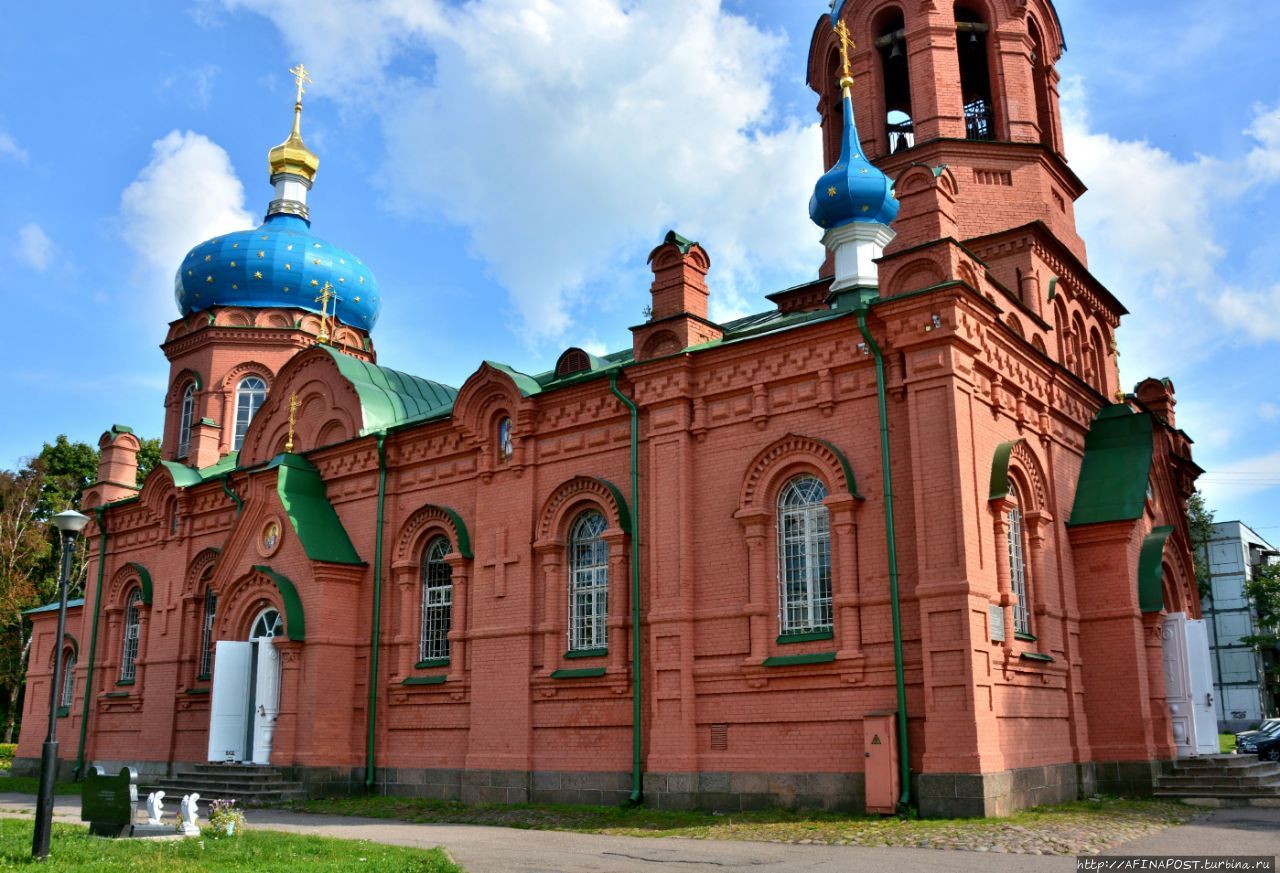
(247, 784)
(1222, 780)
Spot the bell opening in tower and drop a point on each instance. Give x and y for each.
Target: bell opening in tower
(891, 44)
(975, 73)
(1040, 82)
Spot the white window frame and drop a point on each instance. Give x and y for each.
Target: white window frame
(208, 617)
(185, 418)
(132, 631)
(588, 583)
(68, 691)
(1017, 563)
(804, 557)
(437, 601)
(268, 625)
(249, 399)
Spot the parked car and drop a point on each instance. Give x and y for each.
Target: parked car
(1264, 743)
(1266, 725)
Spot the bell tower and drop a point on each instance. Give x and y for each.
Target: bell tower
(966, 84)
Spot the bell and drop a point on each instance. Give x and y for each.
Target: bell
(973, 38)
(895, 53)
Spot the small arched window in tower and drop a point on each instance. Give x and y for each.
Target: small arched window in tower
(175, 517)
(250, 394)
(437, 601)
(185, 416)
(975, 74)
(572, 361)
(588, 583)
(206, 632)
(506, 440)
(1017, 564)
(129, 644)
(1040, 83)
(804, 557)
(68, 690)
(891, 42)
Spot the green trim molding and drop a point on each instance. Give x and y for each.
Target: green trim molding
(1151, 570)
(806, 637)
(1000, 470)
(580, 673)
(1025, 637)
(431, 662)
(145, 578)
(425, 680)
(64, 711)
(790, 660)
(845, 466)
(125, 681)
(53, 607)
(464, 535)
(586, 653)
(302, 494)
(1036, 656)
(1116, 469)
(115, 695)
(295, 623)
(624, 512)
(196, 691)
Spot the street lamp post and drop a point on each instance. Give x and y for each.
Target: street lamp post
(69, 525)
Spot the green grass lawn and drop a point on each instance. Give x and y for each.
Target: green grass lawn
(31, 785)
(1226, 743)
(72, 849)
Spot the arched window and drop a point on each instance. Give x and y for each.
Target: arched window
(267, 625)
(437, 601)
(1040, 82)
(175, 517)
(68, 678)
(804, 557)
(588, 583)
(975, 74)
(506, 440)
(132, 626)
(250, 394)
(206, 632)
(892, 44)
(185, 418)
(1017, 563)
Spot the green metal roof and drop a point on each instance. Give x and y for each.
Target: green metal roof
(53, 607)
(1151, 570)
(389, 397)
(185, 477)
(295, 621)
(1116, 468)
(302, 493)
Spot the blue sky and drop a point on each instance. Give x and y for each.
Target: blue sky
(505, 166)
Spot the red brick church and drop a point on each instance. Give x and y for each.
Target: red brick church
(899, 538)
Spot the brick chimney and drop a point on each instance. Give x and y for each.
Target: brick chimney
(1157, 395)
(678, 315)
(206, 435)
(117, 468)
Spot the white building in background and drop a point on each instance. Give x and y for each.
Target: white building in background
(1240, 689)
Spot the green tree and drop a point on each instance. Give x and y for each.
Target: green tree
(1264, 590)
(148, 458)
(1200, 520)
(69, 468)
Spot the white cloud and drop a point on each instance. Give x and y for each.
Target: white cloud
(10, 149)
(188, 193)
(34, 247)
(1268, 411)
(1233, 481)
(567, 135)
(1264, 160)
(195, 84)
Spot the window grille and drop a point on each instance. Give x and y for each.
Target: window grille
(250, 395)
(437, 601)
(68, 678)
(267, 626)
(206, 632)
(132, 625)
(1017, 565)
(506, 444)
(588, 583)
(979, 120)
(184, 420)
(804, 557)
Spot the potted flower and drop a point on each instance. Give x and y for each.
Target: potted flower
(225, 818)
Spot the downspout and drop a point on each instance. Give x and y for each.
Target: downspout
(904, 755)
(636, 777)
(101, 513)
(226, 486)
(376, 633)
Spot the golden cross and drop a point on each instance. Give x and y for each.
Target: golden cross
(299, 77)
(326, 294)
(847, 45)
(293, 410)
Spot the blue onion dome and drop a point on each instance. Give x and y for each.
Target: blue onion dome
(279, 264)
(854, 189)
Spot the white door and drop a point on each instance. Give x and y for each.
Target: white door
(229, 703)
(266, 686)
(1204, 713)
(1177, 682)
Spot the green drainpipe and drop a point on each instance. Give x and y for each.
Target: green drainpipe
(904, 759)
(377, 612)
(101, 513)
(226, 486)
(636, 778)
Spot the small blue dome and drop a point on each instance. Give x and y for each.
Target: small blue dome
(279, 264)
(854, 189)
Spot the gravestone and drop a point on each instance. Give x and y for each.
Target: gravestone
(109, 803)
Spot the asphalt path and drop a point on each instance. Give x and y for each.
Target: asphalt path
(480, 849)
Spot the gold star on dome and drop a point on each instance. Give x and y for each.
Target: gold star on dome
(288, 266)
(208, 257)
(208, 278)
(286, 289)
(197, 295)
(362, 280)
(257, 274)
(831, 192)
(342, 280)
(190, 273)
(235, 245)
(863, 171)
(315, 245)
(233, 263)
(315, 261)
(357, 299)
(289, 247)
(235, 287)
(262, 254)
(314, 282)
(266, 236)
(866, 208)
(342, 260)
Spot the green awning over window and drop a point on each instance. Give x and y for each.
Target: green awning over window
(1151, 570)
(1116, 468)
(302, 493)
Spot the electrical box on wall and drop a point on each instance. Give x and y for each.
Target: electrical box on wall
(880, 742)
